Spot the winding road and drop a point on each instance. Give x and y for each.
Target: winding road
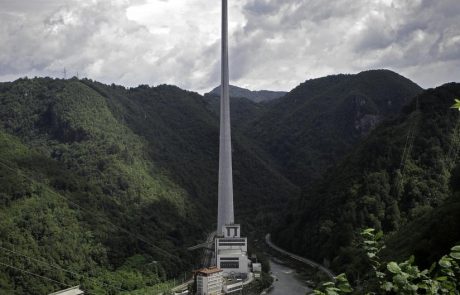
(312, 263)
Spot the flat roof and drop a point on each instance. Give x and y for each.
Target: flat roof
(208, 271)
(70, 291)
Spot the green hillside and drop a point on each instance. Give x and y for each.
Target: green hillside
(255, 96)
(242, 109)
(408, 197)
(113, 184)
(315, 124)
(106, 186)
(182, 136)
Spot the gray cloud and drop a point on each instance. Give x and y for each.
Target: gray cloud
(275, 44)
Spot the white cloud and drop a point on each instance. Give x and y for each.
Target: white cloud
(274, 44)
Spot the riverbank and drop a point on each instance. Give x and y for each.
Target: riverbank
(307, 261)
(287, 280)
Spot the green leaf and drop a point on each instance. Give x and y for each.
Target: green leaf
(393, 267)
(369, 231)
(455, 255)
(343, 284)
(423, 286)
(345, 288)
(455, 252)
(387, 286)
(456, 105)
(445, 262)
(341, 278)
(413, 287)
(332, 291)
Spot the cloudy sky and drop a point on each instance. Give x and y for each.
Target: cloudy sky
(274, 44)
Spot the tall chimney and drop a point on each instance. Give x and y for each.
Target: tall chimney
(225, 201)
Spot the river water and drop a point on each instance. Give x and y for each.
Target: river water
(287, 281)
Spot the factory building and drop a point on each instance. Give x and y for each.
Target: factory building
(209, 281)
(231, 251)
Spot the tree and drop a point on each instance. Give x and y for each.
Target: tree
(400, 278)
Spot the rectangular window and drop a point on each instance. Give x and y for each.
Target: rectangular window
(228, 264)
(232, 240)
(232, 244)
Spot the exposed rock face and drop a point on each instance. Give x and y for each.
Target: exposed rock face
(367, 123)
(365, 118)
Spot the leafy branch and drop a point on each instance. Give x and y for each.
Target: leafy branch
(401, 278)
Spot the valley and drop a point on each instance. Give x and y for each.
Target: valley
(115, 183)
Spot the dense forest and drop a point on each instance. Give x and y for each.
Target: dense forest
(315, 124)
(107, 186)
(254, 96)
(114, 183)
(402, 179)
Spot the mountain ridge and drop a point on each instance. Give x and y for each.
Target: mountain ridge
(371, 188)
(144, 159)
(312, 126)
(258, 96)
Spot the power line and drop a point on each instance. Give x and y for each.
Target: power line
(409, 143)
(62, 269)
(137, 236)
(34, 274)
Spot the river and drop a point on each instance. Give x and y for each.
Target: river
(287, 280)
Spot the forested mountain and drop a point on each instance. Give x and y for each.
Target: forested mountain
(255, 96)
(113, 183)
(242, 109)
(315, 124)
(398, 179)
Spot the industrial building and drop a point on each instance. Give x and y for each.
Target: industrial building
(231, 251)
(230, 259)
(230, 248)
(209, 281)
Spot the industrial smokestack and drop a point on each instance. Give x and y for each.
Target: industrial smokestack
(225, 198)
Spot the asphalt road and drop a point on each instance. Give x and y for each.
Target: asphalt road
(299, 258)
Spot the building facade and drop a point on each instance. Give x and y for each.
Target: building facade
(231, 251)
(209, 281)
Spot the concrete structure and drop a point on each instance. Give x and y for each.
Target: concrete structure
(231, 251)
(233, 287)
(225, 190)
(230, 248)
(70, 291)
(209, 281)
(257, 270)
